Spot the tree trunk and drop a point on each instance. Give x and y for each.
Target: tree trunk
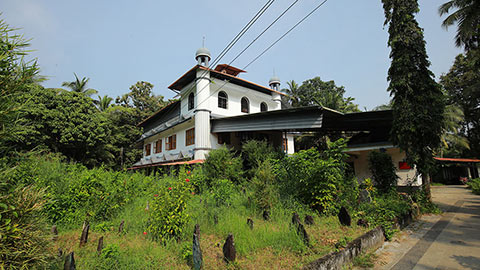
(426, 186)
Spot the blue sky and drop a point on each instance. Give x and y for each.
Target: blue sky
(117, 43)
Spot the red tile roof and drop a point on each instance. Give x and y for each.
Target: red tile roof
(190, 75)
(458, 159)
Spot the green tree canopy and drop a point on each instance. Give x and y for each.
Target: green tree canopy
(65, 122)
(321, 93)
(462, 84)
(142, 99)
(418, 102)
(124, 134)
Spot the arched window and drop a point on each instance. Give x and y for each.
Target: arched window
(245, 105)
(222, 100)
(263, 107)
(191, 101)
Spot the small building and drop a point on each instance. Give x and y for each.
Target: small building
(453, 170)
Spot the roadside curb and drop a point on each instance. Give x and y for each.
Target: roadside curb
(370, 240)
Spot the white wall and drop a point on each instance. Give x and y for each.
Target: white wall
(190, 88)
(362, 171)
(179, 130)
(235, 94)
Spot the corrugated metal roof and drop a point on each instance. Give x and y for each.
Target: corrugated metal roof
(296, 118)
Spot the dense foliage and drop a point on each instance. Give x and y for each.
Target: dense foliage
(416, 128)
(474, 185)
(320, 93)
(142, 99)
(24, 238)
(222, 164)
(168, 216)
(315, 178)
(74, 193)
(461, 85)
(383, 170)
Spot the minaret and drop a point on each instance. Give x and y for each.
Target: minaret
(202, 111)
(274, 84)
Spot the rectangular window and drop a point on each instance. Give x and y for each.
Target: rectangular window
(148, 148)
(172, 142)
(158, 146)
(190, 136)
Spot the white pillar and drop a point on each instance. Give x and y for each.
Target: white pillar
(202, 115)
(278, 101)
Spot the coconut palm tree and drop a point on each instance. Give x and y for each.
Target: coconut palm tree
(103, 103)
(451, 137)
(467, 16)
(80, 86)
(292, 92)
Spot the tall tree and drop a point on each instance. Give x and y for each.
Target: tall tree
(124, 133)
(15, 75)
(467, 16)
(80, 86)
(418, 102)
(453, 141)
(320, 93)
(141, 98)
(63, 121)
(462, 84)
(292, 92)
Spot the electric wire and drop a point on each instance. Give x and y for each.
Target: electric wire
(263, 32)
(233, 42)
(269, 47)
(248, 46)
(286, 33)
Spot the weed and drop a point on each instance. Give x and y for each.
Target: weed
(365, 261)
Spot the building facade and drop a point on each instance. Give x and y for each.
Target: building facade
(181, 131)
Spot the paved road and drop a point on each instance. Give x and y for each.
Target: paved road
(447, 241)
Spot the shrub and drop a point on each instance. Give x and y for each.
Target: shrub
(255, 152)
(221, 164)
(312, 180)
(24, 238)
(72, 191)
(425, 205)
(263, 183)
(168, 215)
(474, 184)
(222, 191)
(383, 211)
(383, 170)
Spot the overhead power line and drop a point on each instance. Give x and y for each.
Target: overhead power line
(248, 46)
(235, 40)
(286, 33)
(265, 30)
(268, 48)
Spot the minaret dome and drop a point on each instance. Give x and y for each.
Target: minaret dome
(203, 56)
(274, 83)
